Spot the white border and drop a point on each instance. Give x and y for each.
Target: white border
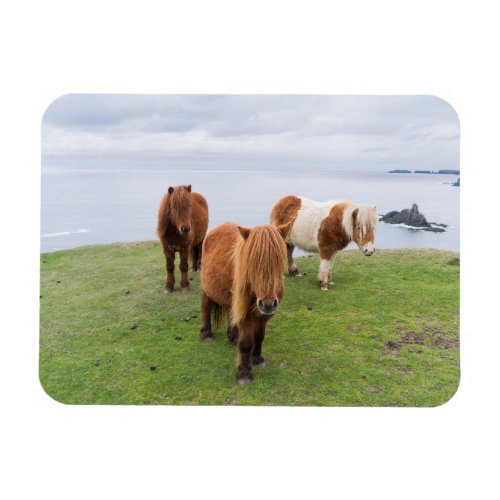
(387, 47)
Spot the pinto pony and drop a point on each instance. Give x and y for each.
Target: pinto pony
(182, 225)
(325, 228)
(242, 274)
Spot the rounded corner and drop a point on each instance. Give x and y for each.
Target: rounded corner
(448, 104)
(440, 405)
(52, 103)
(47, 393)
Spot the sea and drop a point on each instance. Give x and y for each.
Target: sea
(83, 206)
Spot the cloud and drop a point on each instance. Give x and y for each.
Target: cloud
(365, 132)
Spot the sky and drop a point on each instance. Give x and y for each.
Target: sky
(366, 133)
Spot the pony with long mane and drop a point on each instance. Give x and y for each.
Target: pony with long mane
(182, 226)
(243, 275)
(325, 228)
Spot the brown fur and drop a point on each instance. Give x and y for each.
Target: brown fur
(180, 208)
(285, 210)
(331, 234)
(242, 266)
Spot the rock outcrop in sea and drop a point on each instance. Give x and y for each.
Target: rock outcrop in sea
(457, 183)
(412, 218)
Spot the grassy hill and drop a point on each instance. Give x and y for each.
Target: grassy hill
(385, 335)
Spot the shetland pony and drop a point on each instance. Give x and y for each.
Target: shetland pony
(182, 225)
(325, 228)
(242, 273)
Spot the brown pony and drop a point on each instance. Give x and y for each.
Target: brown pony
(182, 225)
(242, 274)
(325, 228)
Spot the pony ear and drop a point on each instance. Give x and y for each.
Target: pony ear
(170, 190)
(189, 188)
(244, 231)
(284, 229)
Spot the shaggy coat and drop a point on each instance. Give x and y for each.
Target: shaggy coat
(242, 274)
(325, 228)
(182, 226)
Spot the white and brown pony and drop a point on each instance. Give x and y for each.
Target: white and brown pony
(243, 274)
(182, 225)
(325, 228)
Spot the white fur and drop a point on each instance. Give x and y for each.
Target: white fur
(304, 233)
(324, 270)
(366, 218)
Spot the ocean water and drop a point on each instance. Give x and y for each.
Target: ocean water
(88, 206)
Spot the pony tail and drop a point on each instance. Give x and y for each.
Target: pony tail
(217, 311)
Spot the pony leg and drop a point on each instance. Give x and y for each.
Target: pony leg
(324, 271)
(206, 322)
(245, 348)
(184, 266)
(257, 358)
(194, 258)
(200, 249)
(330, 272)
(170, 279)
(292, 268)
(232, 331)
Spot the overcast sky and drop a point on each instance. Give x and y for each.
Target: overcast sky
(217, 131)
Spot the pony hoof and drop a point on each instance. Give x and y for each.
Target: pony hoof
(168, 289)
(195, 270)
(244, 377)
(244, 381)
(185, 289)
(206, 334)
(259, 363)
(324, 288)
(331, 282)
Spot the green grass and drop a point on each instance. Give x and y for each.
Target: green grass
(385, 335)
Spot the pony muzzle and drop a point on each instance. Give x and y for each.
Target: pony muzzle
(368, 250)
(184, 230)
(267, 307)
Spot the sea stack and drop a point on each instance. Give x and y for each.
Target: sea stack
(412, 218)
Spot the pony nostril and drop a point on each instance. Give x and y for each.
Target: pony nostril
(275, 303)
(260, 303)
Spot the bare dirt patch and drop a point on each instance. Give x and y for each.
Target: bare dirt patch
(431, 337)
(391, 345)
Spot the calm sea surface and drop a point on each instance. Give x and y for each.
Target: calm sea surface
(87, 206)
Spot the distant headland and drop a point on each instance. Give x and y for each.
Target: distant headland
(448, 171)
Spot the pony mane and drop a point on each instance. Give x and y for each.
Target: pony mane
(366, 218)
(178, 203)
(259, 265)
